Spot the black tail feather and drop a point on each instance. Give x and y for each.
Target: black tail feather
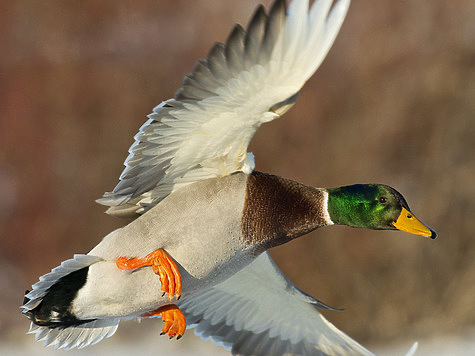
(54, 310)
(25, 299)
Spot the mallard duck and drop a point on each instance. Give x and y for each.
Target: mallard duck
(195, 253)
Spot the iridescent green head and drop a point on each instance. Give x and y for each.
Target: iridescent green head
(373, 206)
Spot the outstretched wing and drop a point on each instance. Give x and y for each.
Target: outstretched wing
(259, 312)
(204, 131)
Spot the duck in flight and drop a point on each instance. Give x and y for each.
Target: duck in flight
(195, 252)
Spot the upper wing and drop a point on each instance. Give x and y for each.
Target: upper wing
(259, 312)
(205, 130)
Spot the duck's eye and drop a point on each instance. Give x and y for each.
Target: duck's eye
(383, 200)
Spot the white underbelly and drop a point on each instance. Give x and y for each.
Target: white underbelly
(110, 292)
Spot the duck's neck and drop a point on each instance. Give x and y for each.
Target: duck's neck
(277, 210)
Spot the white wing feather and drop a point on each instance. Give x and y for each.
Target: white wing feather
(205, 130)
(259, 312)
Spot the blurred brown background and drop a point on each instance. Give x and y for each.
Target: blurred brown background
(394, 102)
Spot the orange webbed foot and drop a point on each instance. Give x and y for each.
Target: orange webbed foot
(162, 265)
(175, 323)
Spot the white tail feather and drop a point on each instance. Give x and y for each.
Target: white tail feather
(75, 337)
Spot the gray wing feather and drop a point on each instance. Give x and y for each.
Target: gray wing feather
(234, 50)
(255, 35)
(144, 168)
(217, 63)
(274, 26)
(203, 75)
(204, 131)
(259, 312)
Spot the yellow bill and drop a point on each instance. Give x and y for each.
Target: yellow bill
(409, 223)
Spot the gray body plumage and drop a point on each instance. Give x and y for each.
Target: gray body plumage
(199, 225)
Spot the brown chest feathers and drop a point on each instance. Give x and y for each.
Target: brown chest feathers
(277, 210)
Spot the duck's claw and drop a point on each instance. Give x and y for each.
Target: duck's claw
(162, 265)
(175, 323)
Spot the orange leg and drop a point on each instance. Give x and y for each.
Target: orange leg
(162, 265)
(175, 323)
